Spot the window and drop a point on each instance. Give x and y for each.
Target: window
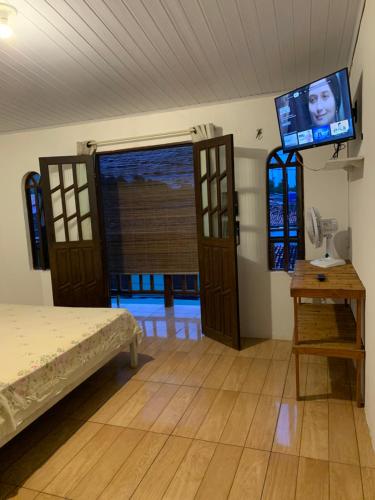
(286, 235)
(37, 224)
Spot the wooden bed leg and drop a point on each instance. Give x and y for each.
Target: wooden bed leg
(133, 355)
(297, 375)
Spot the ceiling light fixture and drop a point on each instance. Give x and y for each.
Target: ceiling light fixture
(6, 12)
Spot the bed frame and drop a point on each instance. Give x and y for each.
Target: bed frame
(91, 368)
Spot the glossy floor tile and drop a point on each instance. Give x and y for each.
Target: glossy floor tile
(198, 419)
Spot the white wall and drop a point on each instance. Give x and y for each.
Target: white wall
(266, 308)
(362, 193)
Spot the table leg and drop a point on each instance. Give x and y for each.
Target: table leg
(297, 375)
(295, 307)
(359, 324)
(358, 388)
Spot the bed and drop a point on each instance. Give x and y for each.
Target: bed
(45, 352)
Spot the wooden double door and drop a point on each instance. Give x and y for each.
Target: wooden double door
(75, 239)
(216, 235)
(73, 231)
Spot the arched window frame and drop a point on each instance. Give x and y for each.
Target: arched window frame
(36, 220)
(288, 237)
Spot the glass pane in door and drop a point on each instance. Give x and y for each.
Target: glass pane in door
(86, 229)
(206, 225)
(73, 229)
(222, 159)
(223, 192)
(81, 174)
(59, 231)
(84, 204)
(67, 175)
(224, 225)
(215, 224)
(70, 203)
(204, 194)
(213, 194)
(56, 203)
(203, 162)
(212, 161)
(54, 179)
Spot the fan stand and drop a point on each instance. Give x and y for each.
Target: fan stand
(327, 260)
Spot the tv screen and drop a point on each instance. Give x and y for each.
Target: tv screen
(316, 114)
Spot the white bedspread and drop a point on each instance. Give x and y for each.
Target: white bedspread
(41, 347)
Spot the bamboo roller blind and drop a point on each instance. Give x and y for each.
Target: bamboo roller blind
(149, 210)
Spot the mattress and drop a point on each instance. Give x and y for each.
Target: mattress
(42, 348)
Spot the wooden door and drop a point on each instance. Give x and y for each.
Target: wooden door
(216, 226)
(73, 231)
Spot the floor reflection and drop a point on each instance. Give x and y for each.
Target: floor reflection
(182, 321)
(286, 429)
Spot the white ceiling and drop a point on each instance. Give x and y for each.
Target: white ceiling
(77, 60)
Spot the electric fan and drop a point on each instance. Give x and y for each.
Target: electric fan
(317, 229)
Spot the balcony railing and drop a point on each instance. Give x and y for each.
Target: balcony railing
(157, 285)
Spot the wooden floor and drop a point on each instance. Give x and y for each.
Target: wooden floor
(198, 420)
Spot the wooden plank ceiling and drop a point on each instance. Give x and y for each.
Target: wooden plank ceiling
(78, 60)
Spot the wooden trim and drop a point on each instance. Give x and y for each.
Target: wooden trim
(232, 218)
(46, 189)
(100, 218)
(334, 353)
(332, 294)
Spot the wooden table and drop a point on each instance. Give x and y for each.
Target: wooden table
(328, 329)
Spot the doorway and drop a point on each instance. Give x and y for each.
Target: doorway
(153, 237)
(149, 228)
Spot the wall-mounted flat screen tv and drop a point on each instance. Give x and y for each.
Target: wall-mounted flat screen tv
(316, 114)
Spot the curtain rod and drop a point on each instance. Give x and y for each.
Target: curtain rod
(163, 135)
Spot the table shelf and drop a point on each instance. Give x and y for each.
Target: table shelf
(326, 326)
